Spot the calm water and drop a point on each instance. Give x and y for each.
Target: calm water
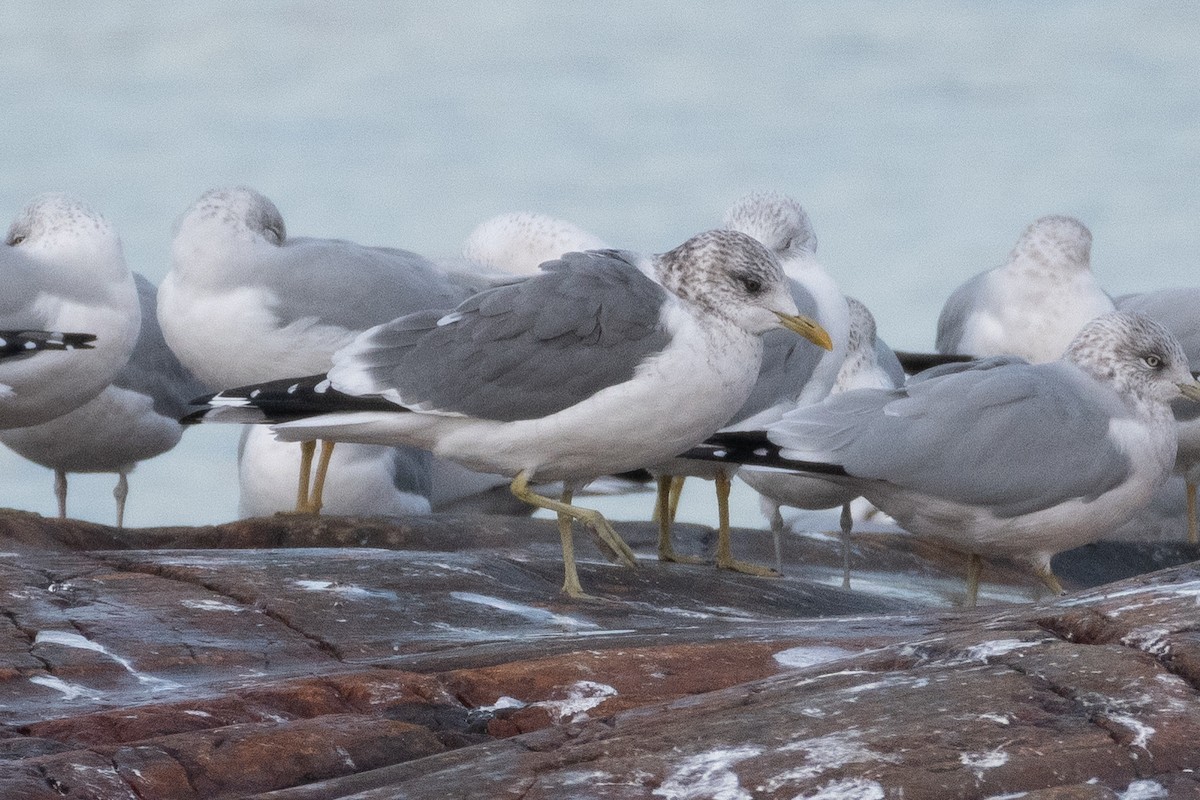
(921, 137)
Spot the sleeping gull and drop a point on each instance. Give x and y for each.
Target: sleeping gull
(869, 364)
(603, 362)
(1178, 310)
(133, 419)
(64, 270)
(1034, 304)
(792, 373)
(244, 302)
(1001, 457)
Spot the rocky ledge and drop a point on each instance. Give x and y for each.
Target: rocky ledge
(296, 658)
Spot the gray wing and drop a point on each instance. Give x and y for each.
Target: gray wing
(979, 365)
(1015, 440)
(153, 369)
(885, 357)
(952, 322)
(352, 286)
(788, 362)
(1178, 310)
(524, 350)
(21, 285)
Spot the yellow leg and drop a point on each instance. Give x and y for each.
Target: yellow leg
(318, 488)
(725, 559)
(676, 493)
(1050, 579)
(307, 449)
(666, 517)
(593, 519)
(571, 586)
(1193, 538)
(974, 570)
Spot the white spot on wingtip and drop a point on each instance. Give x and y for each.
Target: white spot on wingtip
(292, 389)
(323, 386)
(255, 393)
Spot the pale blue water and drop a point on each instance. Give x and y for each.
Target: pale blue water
(921, 137)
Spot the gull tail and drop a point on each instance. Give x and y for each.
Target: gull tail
(754, 449)
(286, 400)
(14, 343)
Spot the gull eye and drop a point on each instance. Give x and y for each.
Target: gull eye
(786, 245)
(16, 239)
(1152, 361)
(750, 283)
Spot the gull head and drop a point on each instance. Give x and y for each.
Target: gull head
(1055, 242)
(234, 214)
(59, 229)
(1136, 354)
(776, 220)
(731, 275)
(520, 242)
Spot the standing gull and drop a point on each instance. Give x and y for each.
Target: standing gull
(603, 362)
(376, 480)
(1034, 304)
(1001, 457)
(792, 373)
(244, 302)
(133, 419)
(63, 269)
(869, 364)
(1178, 310)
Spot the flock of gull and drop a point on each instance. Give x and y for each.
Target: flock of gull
(542, 360)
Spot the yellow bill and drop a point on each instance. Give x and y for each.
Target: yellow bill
(809, 328)
(1191, 390)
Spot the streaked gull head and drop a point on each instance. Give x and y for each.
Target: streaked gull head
(1138, 355)
(522, 241)
(238, 213)
(1056, 243)
(732, 276)
(776, 220)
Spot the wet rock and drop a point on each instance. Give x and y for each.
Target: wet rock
(432, 657)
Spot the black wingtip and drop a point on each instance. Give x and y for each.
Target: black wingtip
(753, 448)
(912, 363)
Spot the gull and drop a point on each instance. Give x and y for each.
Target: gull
(792, 373)
(374, 480)
(244, 302)
(1001, 458)
(1176, 310)
(1034, 304)
(869, 364)
(603, 362)
(63, 269)
(135, 418)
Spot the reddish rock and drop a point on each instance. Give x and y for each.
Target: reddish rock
(432, 657)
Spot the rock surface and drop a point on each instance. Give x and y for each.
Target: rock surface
(295, 658)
